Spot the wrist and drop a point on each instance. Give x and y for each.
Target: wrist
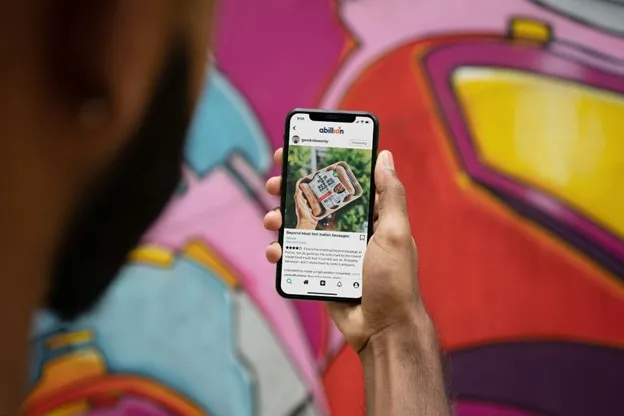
(403, 372)
(415, 335)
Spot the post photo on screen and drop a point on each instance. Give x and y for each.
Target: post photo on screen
(327, 187)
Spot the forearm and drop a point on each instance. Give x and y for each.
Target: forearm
(403, 373)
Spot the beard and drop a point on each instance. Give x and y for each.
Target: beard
(125, 199)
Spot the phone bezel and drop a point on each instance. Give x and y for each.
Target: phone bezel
(329, 116)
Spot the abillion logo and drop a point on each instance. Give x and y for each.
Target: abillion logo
(331, 130)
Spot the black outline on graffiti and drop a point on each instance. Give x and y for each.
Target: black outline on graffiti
(301, 408)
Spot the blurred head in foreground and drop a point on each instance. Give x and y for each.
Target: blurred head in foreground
(95, 100)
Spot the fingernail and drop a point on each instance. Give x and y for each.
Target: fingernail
(388, 161)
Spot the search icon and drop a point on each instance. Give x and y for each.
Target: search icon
(289, 281)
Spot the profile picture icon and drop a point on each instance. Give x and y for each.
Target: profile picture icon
(296, 139)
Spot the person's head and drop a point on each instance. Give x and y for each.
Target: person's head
(95, 99)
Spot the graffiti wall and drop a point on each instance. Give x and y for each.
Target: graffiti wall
(505, 118)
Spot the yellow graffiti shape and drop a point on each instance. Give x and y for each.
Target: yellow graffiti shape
(70, 368)
(557, 135)
(529, 29)
(153, 255)
(195, 250)
(202, 254)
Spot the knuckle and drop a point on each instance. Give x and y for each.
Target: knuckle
(397, 236)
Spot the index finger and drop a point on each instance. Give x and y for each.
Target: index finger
(277, 157)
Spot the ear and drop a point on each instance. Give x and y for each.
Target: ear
(104, 59)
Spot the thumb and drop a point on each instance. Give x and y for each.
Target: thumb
(392, 205)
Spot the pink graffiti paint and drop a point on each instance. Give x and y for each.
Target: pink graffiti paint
(129, 406)
(278, 54)
(383, 25)
(335, 341)
(217, 210)
(488, 409)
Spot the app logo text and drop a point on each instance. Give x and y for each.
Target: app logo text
(331, 130)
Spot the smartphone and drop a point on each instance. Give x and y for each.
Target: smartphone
(327, 202)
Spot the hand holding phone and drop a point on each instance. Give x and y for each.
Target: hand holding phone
(391, 297)
(390, 329)
(321, 251)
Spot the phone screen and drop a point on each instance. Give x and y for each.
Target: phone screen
(326, 205)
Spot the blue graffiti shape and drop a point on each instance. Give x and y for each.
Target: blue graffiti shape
(175, 326)
(224, 123)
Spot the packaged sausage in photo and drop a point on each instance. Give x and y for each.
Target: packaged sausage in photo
(330, 189)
